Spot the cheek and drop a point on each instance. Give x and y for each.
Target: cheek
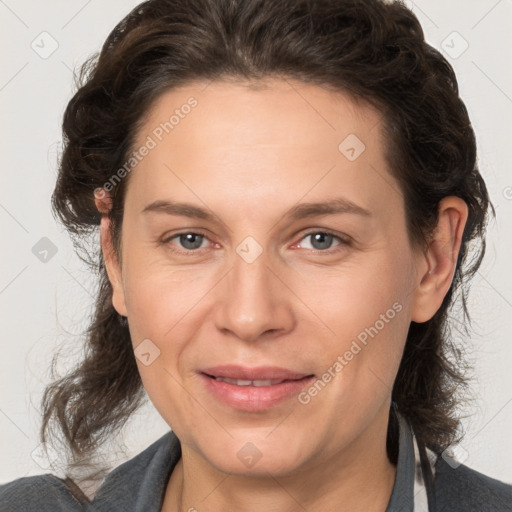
(355, 296)
(367, 311)
(162, 307)
(158, 296)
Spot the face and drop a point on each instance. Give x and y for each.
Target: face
(267, 274)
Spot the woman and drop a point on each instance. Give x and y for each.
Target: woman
(286, 194)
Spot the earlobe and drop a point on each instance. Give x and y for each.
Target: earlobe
(438, 263)
(111, 261)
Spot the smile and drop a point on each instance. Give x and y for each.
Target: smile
(253, 389)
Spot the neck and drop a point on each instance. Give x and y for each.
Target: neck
(338, 482)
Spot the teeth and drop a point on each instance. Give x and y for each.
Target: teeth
(257, 383)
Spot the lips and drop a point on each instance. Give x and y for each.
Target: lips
(253, 389)
(261, 373)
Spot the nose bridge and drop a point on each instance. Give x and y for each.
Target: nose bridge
(252, 300)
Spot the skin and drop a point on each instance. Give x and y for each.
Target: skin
(248, 155)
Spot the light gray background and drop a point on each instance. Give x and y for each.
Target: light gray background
(45, 303)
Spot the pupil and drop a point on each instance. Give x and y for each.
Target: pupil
(322, 240)
(191, 240)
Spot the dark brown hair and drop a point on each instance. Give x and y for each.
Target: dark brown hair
(371, 49)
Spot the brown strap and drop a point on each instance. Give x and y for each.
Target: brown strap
(76, 491)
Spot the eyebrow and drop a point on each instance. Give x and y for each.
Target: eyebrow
(300, 211)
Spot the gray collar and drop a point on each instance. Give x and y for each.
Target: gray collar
(413, 490)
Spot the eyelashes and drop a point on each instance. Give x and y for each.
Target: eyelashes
(324, 236)
(192, 242)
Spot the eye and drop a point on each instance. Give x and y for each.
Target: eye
(322, 240)
(189, 241)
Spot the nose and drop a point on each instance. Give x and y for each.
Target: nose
(253, 302)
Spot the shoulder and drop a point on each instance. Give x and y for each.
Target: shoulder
(41, 493)
(459, 487)
(153, 460)
(141, 478)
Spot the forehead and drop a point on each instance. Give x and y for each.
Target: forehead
(280, 135)
(258, 112)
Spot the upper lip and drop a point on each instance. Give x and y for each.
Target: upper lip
(255, 373)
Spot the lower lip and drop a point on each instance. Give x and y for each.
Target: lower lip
(254, 398)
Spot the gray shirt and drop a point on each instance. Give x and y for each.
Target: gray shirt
(139, 485)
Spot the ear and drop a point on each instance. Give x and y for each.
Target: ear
(104, 204)
(436, 266)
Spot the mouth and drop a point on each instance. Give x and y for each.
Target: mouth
(253, 389)
(256, 383)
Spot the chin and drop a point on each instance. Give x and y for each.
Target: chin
(253, 455)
